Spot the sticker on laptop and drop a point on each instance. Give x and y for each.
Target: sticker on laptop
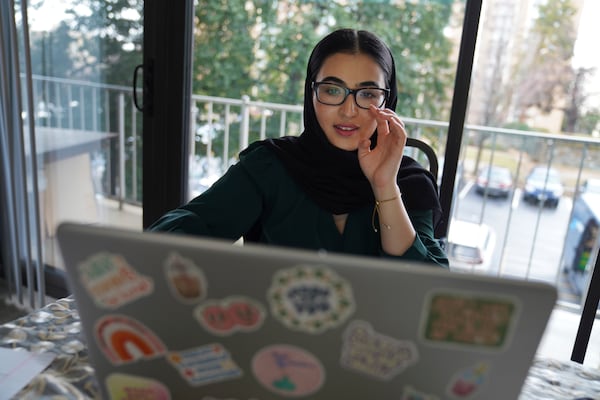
(474, 320)
(230, 315)
(288, 370)
(410, 393)
(111, 281)
(467, 383)
(374, 354)
(185, 279)
(220, 398)
(205, 364)
(310, 298)
(132, 387)
(125, 340)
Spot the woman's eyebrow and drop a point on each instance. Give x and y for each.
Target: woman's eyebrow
(338, 80)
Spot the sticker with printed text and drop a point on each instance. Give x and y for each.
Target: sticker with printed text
(131, 387)
(185, 279)
(469, 319)
(410, 393)
(374, 354)
(232, 314)
(125, 340)
(205, 364)
(310, 298)
(288, 370)
(467, 383)
(111, 281)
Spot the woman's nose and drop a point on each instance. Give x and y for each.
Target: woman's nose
(349, 108)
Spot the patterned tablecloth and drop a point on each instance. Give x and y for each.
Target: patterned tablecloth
(56, 328)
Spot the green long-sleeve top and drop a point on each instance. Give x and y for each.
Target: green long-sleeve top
(258, 188)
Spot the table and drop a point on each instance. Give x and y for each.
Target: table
(56, 328)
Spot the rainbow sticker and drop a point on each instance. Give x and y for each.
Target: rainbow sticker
(111, 281)
(131, 387)
(287, 370)
(474, 320)
(185, 279)
(374, 354)
(125, 340)
(233, 314)
(205, 364)
(467, 383)
(310, 298)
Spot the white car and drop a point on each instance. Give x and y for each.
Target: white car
(470, 246)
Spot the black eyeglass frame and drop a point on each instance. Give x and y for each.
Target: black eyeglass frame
(315, 85)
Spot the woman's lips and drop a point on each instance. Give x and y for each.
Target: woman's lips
(345, 130)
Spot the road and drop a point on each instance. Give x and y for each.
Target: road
(529, 238)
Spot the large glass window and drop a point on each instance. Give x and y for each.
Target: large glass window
(83, 54)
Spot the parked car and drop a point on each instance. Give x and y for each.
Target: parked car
(582, 241)
(543, 185)
(470, 246)
(494, 181)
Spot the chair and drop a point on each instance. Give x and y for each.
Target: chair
(429, 153)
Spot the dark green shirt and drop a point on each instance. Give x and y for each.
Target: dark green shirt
(258, 188)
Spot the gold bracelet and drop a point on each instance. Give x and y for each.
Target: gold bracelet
(376, 211)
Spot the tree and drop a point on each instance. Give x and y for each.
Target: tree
(225, 46)
(545, 80)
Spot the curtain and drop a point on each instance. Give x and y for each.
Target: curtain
(20, 237)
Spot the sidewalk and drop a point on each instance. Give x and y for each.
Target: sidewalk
(559, 338)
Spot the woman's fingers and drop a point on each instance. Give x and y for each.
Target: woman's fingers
(388, 122)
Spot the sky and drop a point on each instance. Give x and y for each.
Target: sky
(586, 48)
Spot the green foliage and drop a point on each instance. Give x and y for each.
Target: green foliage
(224, 47)
(261, 48)
(589, 122)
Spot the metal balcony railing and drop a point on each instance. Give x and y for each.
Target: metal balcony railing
(531, 241)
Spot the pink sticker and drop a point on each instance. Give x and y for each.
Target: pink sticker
(310, 298)
(288, 370)
(185, 279)
(111, 281)
(125, 340)
(374, 354)
(230, 315)
(467, 383)
(131, 387)
(206, 364)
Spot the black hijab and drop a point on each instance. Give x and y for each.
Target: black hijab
(330, 176)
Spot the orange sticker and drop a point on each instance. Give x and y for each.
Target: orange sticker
(125, 340)
(185, 279)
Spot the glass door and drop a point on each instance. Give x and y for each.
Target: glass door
(76, 148)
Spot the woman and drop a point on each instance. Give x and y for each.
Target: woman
(343, 185)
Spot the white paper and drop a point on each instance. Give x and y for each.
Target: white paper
(18, 367)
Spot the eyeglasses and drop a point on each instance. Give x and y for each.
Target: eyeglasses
(333, 94)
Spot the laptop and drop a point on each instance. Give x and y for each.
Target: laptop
(167, 316)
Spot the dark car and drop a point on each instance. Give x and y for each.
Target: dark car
(543, 185)
(494, 181)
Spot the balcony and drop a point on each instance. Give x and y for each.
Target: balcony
(532, 240)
